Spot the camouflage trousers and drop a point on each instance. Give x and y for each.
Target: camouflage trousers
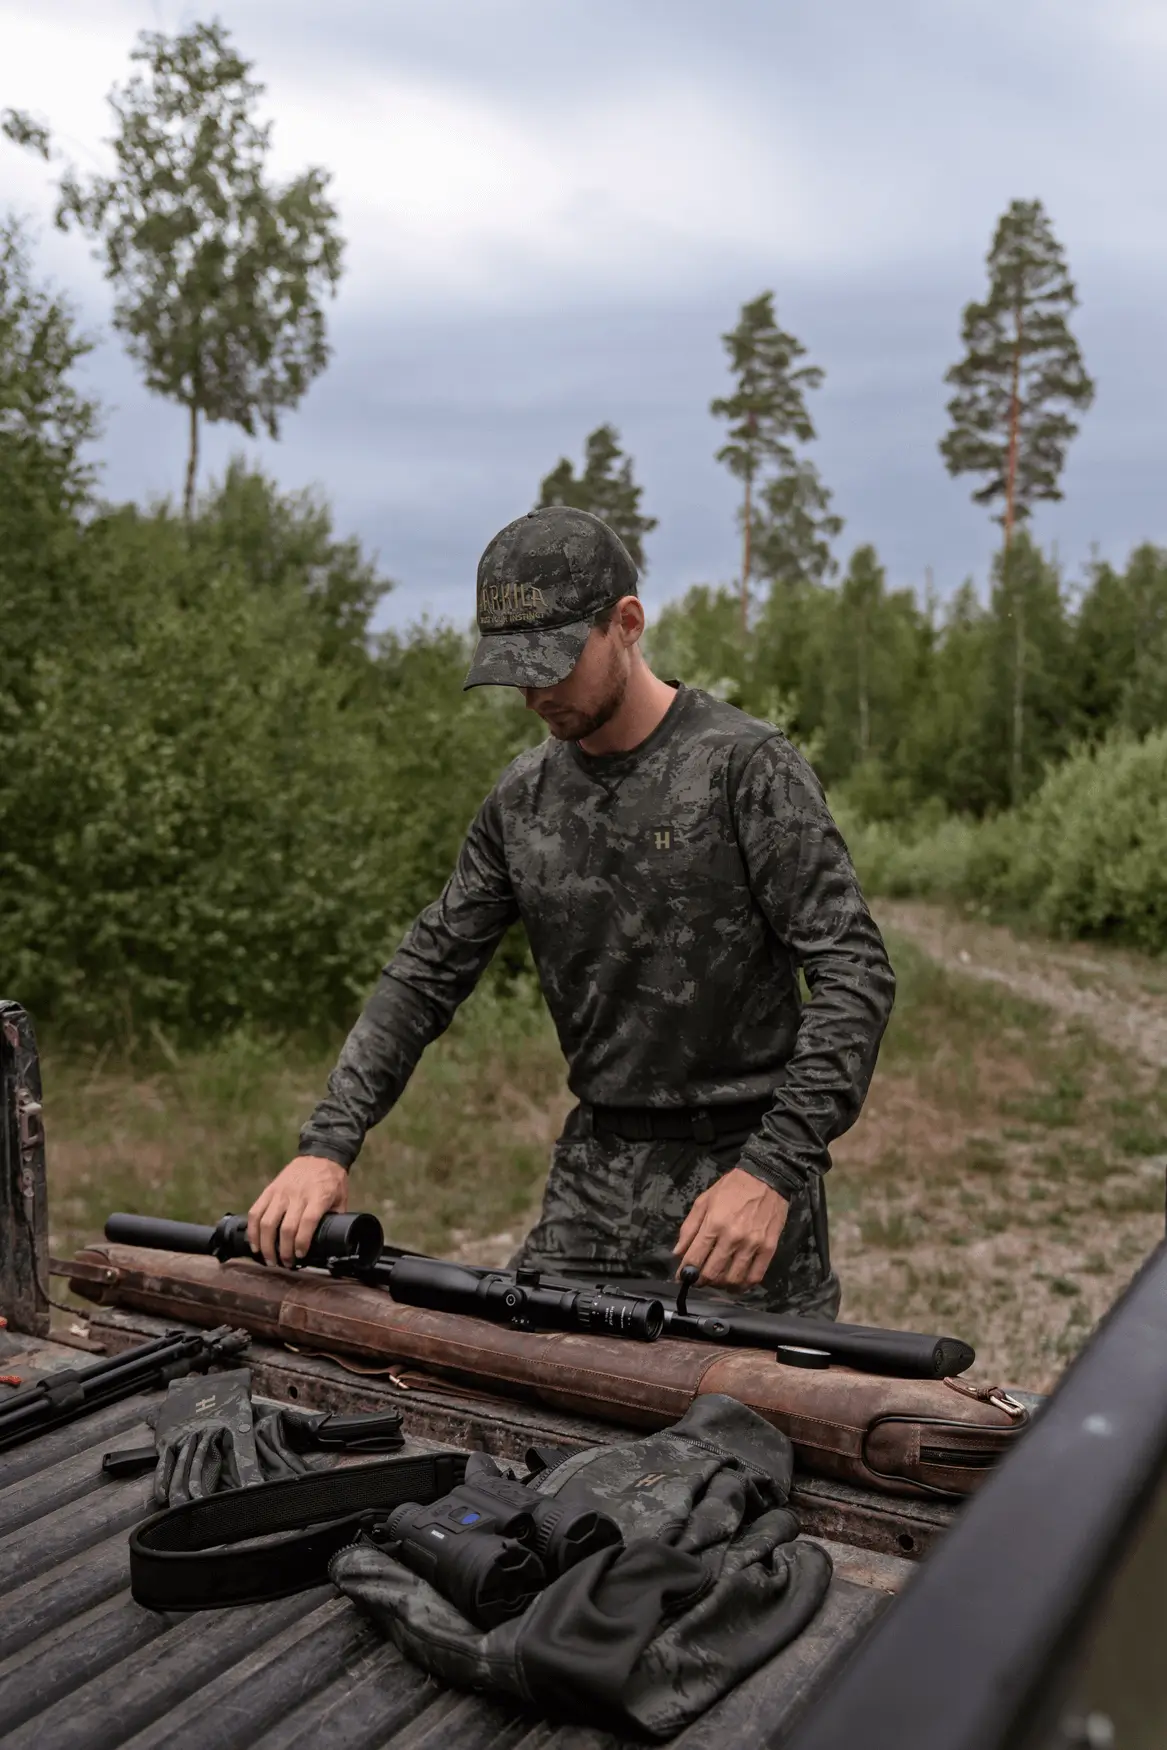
(617, 1207)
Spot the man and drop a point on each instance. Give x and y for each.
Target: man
(674, 865)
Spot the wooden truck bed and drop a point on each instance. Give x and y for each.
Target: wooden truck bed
(82, 1667)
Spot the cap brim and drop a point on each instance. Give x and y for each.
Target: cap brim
(540, 657)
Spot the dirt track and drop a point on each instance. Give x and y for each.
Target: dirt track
(1122, 996)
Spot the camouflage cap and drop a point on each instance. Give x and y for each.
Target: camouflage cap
(541, 581)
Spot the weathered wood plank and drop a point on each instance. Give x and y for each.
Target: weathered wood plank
(106, 1712)
(97, 1431)
(470, 1722)
(24, 1216)
(274, 1681)
(371, 1703)
(63, 1593)
(33, 1679)
(765, 1708)
(59, 1484)
(72, 1530)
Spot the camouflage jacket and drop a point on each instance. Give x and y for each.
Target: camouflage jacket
(670, 895)
(711, 1582)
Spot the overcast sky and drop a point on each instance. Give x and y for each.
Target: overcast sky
(555, 207)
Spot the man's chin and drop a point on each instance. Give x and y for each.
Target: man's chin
(565, 729)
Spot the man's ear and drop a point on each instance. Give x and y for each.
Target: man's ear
(630, 618)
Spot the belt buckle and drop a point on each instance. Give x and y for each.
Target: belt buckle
(703, 1128)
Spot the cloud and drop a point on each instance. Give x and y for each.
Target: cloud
(554, 209)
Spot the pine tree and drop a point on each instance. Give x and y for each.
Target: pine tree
(794, 527)
(878, 647)
(1120, 646)
(219, 273)
(1025, 726)
(1021, 372)
(605, 487)
(768, 415)
(1021, 375)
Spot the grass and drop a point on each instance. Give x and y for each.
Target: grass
(193, 1136)
(1004, 1181)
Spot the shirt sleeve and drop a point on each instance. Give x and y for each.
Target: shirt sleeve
(443, 955)
(802, 878)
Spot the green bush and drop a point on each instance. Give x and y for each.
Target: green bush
(1087, 856)
(1097, 865)
(220, 804)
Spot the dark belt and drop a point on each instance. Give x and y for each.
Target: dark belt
(185, 1558)
(676, 1123)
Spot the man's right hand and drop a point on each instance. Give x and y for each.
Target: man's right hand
(282, 1220)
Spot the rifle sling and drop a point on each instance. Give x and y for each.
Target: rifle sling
(182, 1558)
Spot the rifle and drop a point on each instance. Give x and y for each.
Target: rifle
(529, 1299)
(76, 1391)
(626, 1308)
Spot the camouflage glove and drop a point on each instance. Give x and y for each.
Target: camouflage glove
(280, 1438)
(204, 1437)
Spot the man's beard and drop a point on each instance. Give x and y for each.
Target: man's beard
(569, 725)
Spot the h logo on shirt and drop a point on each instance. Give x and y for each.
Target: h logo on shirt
(662, 838)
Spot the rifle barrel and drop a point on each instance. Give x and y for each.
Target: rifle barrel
(164, 1236)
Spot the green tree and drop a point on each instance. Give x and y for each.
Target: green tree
(219, 272)
(1120, 646)
(878, 646)
(286, 544)
(606, 487)
(46, 425)
(793, 646)
(794, 527)
(45, 421)
(699, 640)
(767, 415)
(1021, 376)
(860, 604)
(943, 755)
(1029, 718)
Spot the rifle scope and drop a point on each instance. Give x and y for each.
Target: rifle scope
(522, 1300)
(337, 1236)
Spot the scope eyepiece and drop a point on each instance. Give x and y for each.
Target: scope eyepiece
(622, 1315)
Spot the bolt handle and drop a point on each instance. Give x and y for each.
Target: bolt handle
(689, 1278)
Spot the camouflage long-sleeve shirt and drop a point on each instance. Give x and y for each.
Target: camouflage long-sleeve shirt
(670, 895)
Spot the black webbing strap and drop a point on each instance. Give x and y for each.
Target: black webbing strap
(182, 1559)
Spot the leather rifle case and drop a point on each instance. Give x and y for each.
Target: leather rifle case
(900, 1436)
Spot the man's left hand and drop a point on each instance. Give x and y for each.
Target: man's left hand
(732, 1231)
